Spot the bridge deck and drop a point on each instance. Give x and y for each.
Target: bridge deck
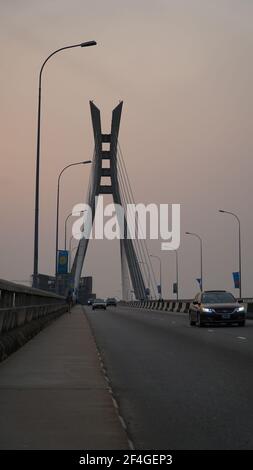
(53, 394)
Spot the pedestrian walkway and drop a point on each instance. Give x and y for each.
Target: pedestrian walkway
(53, 394)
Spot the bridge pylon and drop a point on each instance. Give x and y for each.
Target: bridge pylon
(105, 164)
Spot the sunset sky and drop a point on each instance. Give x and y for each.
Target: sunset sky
(183, 69)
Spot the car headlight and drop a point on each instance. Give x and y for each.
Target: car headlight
(207, 310)
(240, 309)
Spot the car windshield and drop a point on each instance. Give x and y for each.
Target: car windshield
(218, 298)
(99, 300)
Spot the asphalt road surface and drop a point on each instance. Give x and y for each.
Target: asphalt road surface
(178, 387)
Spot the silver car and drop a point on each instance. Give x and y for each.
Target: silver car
(99, 303)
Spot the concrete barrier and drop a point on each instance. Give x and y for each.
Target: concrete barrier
(11, 318)
(178, 306)
(24, 311)
(173, 306)
(169, 306)
(249, 309)
(187, 307)
(181, 306)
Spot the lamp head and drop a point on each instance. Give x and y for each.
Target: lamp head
(88, 43)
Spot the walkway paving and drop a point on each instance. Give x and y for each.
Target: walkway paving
(53, 394)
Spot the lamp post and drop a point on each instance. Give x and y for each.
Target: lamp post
(70, 255)
(37, 182)
(176, 252)
(160, 261)
(239, 248)
(70, 250)
(70, 241)
(57, 208)
(201, 256)
(65, 229)
(65, 225)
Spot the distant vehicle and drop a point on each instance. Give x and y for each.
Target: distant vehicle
(99, 303)
(210, 307)
(111, 301)
(90, 301)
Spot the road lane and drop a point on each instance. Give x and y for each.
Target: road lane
(178, 387)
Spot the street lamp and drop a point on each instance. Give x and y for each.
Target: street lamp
(57, 208)
(71, 249)
(70, 255)
(176, 252)
(37, 183)
(239, 248)
(201, 257)
(65, 225)
(65, 229)
(70, 241)
(160, 261)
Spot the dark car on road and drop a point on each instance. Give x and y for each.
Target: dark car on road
(111, 301)
(220, 307)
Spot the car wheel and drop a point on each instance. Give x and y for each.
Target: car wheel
(241, 323)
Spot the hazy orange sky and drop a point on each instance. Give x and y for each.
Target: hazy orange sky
(184, 71)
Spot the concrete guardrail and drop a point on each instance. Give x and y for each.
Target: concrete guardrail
(181, 306)
(24, 311)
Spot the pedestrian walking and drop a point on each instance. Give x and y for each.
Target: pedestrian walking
(69, 301)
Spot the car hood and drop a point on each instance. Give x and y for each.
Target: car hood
(230, 305)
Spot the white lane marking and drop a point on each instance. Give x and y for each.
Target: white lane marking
(241, 337)
(123, 424)
(210, 331)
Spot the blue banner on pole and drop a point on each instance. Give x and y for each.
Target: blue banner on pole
(236, 277)
(62, 262)
(147, 291)
(174, 288)
(159, 289)
(199, 282)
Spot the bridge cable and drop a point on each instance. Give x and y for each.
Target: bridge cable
(141, 244)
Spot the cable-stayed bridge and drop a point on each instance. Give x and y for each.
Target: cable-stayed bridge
(174, 386)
